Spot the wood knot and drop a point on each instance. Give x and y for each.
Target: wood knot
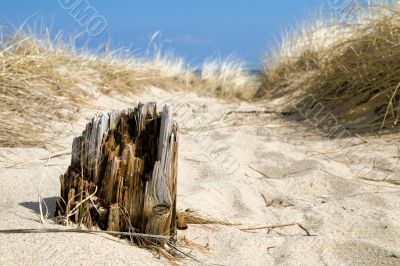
(161, 209)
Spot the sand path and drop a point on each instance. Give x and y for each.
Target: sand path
(248, 169)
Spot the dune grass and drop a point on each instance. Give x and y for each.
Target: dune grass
(349, 69)
(229, 78)
(45, 80)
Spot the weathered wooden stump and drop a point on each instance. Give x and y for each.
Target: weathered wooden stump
(123, 173)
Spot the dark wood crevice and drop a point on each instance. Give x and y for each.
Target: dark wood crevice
(129, 158)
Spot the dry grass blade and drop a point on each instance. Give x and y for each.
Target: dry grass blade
(43, 217)
(193, 218)
(185, 242)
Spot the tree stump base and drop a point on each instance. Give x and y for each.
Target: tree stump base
(123, 173)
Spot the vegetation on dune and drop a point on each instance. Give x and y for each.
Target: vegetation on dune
(349, 69)
(44, 80)
(346, 68)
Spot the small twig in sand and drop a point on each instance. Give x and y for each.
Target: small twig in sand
(44, 231)
(365, 140)
(269, 227)
(356, 181)
(249, 112)
(58, 154)
(183, 253)
(258, 171)
(186, 243)
(331, 198)
(385, 180)
(276, 202)
(267, 203)
(164, 253)
(305, 230)
(194, 160)
(272, 227)
(20, 164)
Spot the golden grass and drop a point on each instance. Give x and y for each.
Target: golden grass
(350, 68)
(44, 80)
(32, 91)
(229, 78)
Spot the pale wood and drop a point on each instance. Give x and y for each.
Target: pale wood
(131, 158)
(113, 218)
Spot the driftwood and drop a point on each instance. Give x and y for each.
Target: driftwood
(123, 173)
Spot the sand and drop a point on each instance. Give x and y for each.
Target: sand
(333, 202)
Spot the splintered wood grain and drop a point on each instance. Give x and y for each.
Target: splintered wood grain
(130, 158)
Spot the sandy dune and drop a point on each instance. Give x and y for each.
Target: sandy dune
(325, 196)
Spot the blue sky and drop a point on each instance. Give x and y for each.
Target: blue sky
(195, 30)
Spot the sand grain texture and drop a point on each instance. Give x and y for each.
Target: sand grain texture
(251, 170)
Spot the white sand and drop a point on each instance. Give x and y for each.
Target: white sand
(306, 180)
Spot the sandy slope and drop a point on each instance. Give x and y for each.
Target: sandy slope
(252, 170)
